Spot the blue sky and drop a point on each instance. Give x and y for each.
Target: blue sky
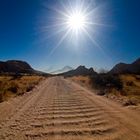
(23, 37)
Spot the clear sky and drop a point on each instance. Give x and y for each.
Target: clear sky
(31, 30)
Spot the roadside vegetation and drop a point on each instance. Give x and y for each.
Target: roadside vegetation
(11, 86)
(124, 88)
(106, 81)
(82, 80)
(131, 88)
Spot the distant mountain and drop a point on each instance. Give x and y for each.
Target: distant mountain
(122, 68)
(81, 70)
(65, 69)
(17, 67)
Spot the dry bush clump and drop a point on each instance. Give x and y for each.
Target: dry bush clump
(106, 81)
(83, 80)
(11, 86)
(124, 88)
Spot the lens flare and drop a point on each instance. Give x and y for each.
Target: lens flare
(76, 21)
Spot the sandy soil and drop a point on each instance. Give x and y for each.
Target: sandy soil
(59, 109)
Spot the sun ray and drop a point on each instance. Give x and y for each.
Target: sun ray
(60, 42)
(53, 26)
(98, 24)
(55, 33)
(58, 11)
(95, 43)
(94, 10)
(76, 18)
(91, 38)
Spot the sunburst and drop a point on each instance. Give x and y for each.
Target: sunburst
(73, 20)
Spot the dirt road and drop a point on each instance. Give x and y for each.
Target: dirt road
(59, 109)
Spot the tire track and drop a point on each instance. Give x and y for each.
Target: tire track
(59, 110)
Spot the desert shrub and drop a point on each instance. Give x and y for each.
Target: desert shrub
(16, 76)
(130, 83)
(123, 92)
(13, 87)
(29, 88)
(101, 92)
(130, 102)
(137, 77)
(1, 97)
(107, 81)
(83, 81)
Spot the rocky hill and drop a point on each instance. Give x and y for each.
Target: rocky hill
(81, 70)
(122, 68)
(17, 67)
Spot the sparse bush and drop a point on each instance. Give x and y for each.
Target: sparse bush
(13, 87)
(124, 93)
(29, 88)
(16, 76)
(105, 81)
(1, 97)
(130, 83)
(137, 77)
(130, 102)
(101, 92)
(17, 85)
(83, 81)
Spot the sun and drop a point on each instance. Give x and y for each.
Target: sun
(76, 21)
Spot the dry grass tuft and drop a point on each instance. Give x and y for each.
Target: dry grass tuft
(83, 80)
(131, 88)
(11, 86)
(123, 88)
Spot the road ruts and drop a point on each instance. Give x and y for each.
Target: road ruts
(62, 110)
